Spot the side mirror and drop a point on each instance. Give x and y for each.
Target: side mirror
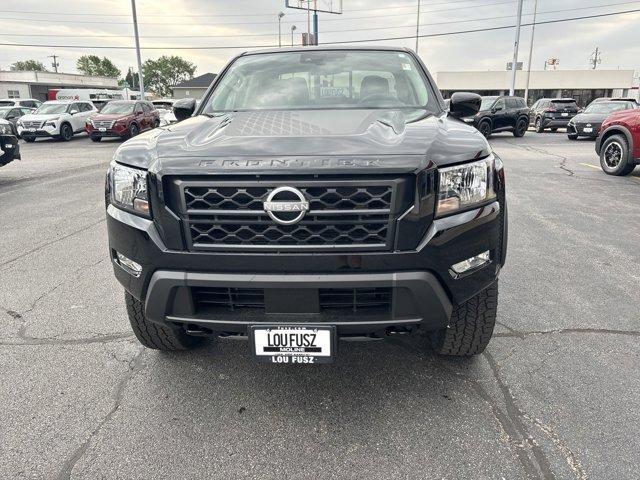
(464, 104)
(184, 108)
(496, 109)
(73, 112)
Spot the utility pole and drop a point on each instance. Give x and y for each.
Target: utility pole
(55, 63)
(280, 15)
(596, 58)
(293, 27)
(514, 66)
(418, 27)
(315, 22)
(135, 32)
(533, 32)
(308, 23)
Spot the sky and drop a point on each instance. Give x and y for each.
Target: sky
(232, 26)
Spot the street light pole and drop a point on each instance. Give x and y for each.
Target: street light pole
(293, 27)
(280, 15)
(514, 65)
(135, 31)
(533, 32)
(418, 27)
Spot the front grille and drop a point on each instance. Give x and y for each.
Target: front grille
(342, 215)
(331, 300)
(32, 124)
(103, 123)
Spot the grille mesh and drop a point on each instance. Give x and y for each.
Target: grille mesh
(103, 123)
(32, 123)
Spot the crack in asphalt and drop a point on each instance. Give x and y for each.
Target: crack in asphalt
(567, 331)
(116, 337)
(563, 159)
(135, 365)
(516, 417)
(49, 243)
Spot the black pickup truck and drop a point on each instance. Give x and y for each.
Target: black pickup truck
(314, 194)
(9, 148)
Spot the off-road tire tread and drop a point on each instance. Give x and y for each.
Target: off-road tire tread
(153, 335)
(629, 167)
(471, 325)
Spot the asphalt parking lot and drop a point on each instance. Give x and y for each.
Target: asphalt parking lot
(554, 396)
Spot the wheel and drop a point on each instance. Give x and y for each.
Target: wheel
(521, 128)
(572, 136)
(66, 132)
(554, 129)
(134, 130)
(29, 139)
(538, 125)
(96, 139)
(485, 129)
(153, 335)
(156, 124)
(614, 155)
(470, 327)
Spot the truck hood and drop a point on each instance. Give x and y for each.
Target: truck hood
(327, 140)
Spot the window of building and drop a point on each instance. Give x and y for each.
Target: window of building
(13, 93)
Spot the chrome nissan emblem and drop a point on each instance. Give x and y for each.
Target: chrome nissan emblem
(588, 124)
(286, 205)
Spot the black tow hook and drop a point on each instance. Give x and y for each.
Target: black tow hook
(395, 331)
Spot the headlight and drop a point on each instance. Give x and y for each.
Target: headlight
(51, 122)
(5, 129)
(468, 119)
(464, 186)
(129, 189)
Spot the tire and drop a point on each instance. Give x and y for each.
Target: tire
(521, 128)
(470, 327)
(572, 136)
(66, 132)
(614, 156)
(29, 139)
(96, 139)
(538, 125)
(153, 335)
(485, 129)
(133, 130)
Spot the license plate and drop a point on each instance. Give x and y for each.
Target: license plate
(32, 129)
(102, 129)
(587, 129)
(565, 114)
(293, 343)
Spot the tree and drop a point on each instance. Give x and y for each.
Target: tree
(96, 66)
(165, 72)
(132, 79)
(29, 65)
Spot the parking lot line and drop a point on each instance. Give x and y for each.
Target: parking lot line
(589, 165)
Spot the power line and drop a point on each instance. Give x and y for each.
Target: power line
(229, 47)
(481, 19)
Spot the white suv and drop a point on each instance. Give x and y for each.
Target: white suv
(57, 119)
(20, 102)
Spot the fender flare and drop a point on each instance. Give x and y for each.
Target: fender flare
(617, 128)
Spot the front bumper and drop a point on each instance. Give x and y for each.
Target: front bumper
(9, 149)
(424, 289)
(550, 122)
(579, 129)
(121, 132)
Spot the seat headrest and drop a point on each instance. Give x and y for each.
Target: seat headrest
(374, 85)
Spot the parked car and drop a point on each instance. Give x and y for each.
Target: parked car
(587, 123)
(13, 114)
(165, 110)
(501, 114)
(20, 102)
(297, 215)
(620, 99)
(9, 148)
(553, 113)
(618, 143)
(56, 119)
(123, 119)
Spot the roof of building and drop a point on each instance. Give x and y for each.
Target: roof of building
(202, 81)
(57, 79)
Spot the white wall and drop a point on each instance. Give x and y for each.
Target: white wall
(21, 87)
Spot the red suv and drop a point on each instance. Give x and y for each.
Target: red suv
(618, 142)
(124, 119)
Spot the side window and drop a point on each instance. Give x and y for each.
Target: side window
(26, 111)
(138, 108)
(512, 103)
(76, 107)
(499, 104)
(87, 107)
(146, 108)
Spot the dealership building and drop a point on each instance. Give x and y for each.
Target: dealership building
(18, 84)
(583, 85)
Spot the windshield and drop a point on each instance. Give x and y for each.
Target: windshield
(565, 103)
(118, 108)
(321, 80)
(608, 107)
(487, 102)
(4, 111)
(49, 108)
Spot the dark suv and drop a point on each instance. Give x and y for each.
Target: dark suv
(553, 113)
(313, 194)
(501, 114)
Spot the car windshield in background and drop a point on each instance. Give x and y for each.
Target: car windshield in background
(6, 104)
(608, 107)
(565, 103)
(118, 108)
(4, 111)
(487, 102)
(50, 108)
(321, 80)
